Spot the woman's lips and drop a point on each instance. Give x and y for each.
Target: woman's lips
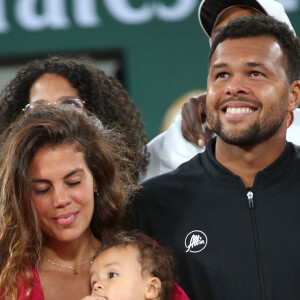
(66, 219)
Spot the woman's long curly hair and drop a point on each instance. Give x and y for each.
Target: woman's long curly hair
(104, 96)
(21, 237)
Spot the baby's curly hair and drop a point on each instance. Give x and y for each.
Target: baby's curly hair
(154, 258)
(104, 96)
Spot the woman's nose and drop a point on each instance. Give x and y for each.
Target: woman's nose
(60, 197)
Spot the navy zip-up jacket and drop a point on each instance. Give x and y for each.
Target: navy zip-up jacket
(229, 242)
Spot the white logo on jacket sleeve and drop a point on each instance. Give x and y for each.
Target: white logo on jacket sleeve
(195, 241)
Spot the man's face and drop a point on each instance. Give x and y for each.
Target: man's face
(247, 90)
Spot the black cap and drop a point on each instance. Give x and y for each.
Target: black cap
(209, 10)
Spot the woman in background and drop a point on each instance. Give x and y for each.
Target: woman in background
(56, 78)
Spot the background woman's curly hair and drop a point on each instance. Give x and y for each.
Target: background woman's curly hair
(104, 96)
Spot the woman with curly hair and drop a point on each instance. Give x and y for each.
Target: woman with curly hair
(64, 181)
(55, 77)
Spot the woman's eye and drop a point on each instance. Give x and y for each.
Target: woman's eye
(112, 274)
(74, 183)
(41, 191)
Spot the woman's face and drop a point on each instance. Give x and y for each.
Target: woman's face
(62, 192)
(51, 88)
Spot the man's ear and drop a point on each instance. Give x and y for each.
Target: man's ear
(153, 288)
(294, 95)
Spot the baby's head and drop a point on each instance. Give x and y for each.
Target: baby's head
(131, 266)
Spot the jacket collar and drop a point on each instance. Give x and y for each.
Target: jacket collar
(209, 159)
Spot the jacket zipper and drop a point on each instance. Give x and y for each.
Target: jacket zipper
(256, 243)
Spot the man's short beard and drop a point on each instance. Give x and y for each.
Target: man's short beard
(251, 136)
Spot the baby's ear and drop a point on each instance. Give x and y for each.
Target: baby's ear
(153, 288)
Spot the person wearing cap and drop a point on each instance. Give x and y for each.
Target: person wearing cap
(180, 142)
(211, 12)
(231, 214)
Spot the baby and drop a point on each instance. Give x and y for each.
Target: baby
(131, 266)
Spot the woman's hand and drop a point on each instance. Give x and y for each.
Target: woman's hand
(193, 115)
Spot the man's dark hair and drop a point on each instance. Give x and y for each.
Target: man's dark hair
(259, 25)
